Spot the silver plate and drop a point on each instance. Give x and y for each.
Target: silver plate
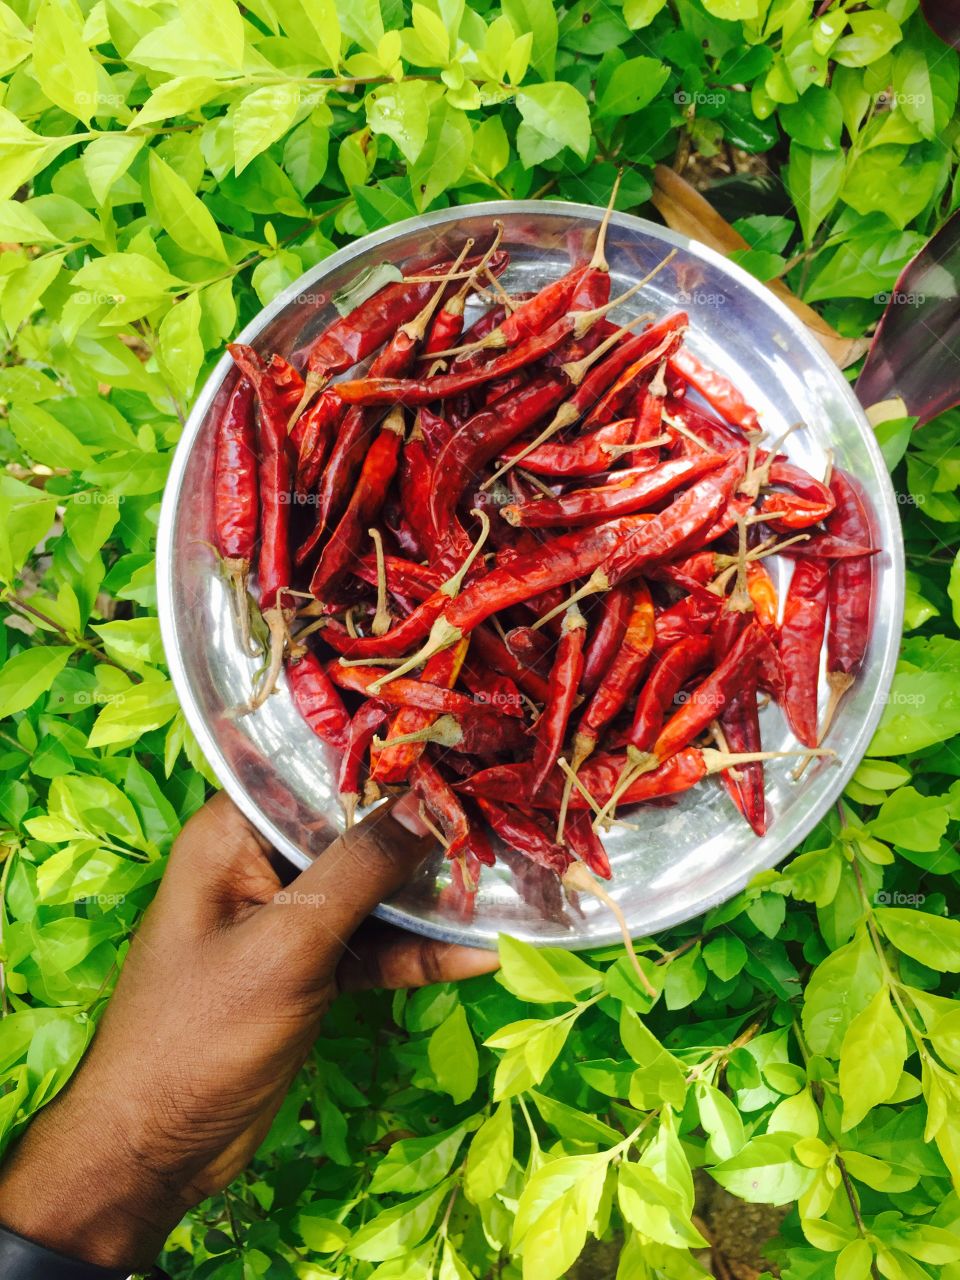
(687, 856)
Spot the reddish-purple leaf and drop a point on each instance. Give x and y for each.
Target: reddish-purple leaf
(944, 18)
(915, 353)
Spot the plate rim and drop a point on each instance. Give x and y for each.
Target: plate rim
(204, 735)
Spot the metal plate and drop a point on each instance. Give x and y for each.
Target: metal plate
(685, 857)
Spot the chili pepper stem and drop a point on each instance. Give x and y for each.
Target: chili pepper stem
(576, 370)
(583, 745)
(416, 328)
(598, 581)
(618, 450)
(452, 586)
(565, 416)
(371, 793)
(445, 731)
(442, 635)
(278, 625)
(640, 762)
(716, 761)
(683, 430)
(236, 572)
(348, 802)
(599, 260)
(740, 600)
(838, 682)
(757, 477)
(578, 878)
(434, 831)
(381, 619)
(313, 383)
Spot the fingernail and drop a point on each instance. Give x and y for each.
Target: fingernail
(406, 811)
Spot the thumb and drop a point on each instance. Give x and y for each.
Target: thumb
(317, 913)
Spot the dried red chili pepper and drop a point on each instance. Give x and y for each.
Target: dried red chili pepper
(740, 725)
(379, 467)
(366, 721)
(393, 763)
(622, 677)
(718, 391)
(581, 838)
(605, 638)
(439, 799)
(406, 692)
(273, 561)
(848, 593)
(631, 491)
(318, 701)
(551, 727)
(671, 672)
(235, 498)
(521, 832)
(586, 455)
(801, 638)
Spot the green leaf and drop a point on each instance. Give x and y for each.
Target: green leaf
(725, 956)
(402, 113)
(179, 345)
(26, 515)
(933, 940)
(444, 156)
(175, 97)
(146, 706)
(871, 1058)
(655, 1210)
(839, 989)
(764, 1171)
(452, 1051)
(913, 821)
(415, 1164)
(106, 159)
(815, 120)
(721, 1121)
(29, 674)
(871, 34)
(554, 1213)
(260, 119)
(633, 84)
(814, 179)
(62, 63)
(46, 440)
(396, 1230)
(659, 1076)
(490, 1156)
(554, 116)
(640, 13)
(183, 216)
(543, 975)
(539, 17)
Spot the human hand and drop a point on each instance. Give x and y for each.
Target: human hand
(218, 1004)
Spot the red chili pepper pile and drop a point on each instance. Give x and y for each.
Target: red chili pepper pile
(520, 567)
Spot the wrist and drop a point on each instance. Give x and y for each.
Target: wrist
(74, 1184)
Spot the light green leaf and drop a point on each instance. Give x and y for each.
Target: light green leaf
(554, 116)
(764, 1171)
(721, 1121)
(640, 13)
(183, 215)
(840, 988)
(814, 179)
(216, 26)
(444, 156)
(62, 63)
(26, 515)
(19, 224)
(655, 1210)
(543, 975)
(633, 85)
(871, 1058)
(131, 714)
(396, 1230)
(912, 820)
(179, 346)
(260, 119)
(46, 440)
(933, 940)
(415, 1164)
(106, 159)
(452, 1051)
(29, 674)
(179, 96)
(871, 34)
(490, 1155)
(402, 113)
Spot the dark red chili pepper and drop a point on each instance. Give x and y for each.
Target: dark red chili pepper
(287, 381)
(827, 546)
(551, 727)
(764, 596)
(379, 467)
(718, 391)
(273, 561)
(612, 402)
(405, 692)
(669, 675)
(366, 721)
(580, 836)
(631, 491)
(439, 799)
(314, 435)
(606, 636)
(849, 591)
(491, 651)
(528, 646)
(521, 832)
(709, 698)
(414, 487)
(622, 676)
(318, 701)
(694, 615)
(740, 724)
(586, 455)
(497, 691)
(353, 337)
(235, 497)
(801, 638)
(404, 577)
(480, 439)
